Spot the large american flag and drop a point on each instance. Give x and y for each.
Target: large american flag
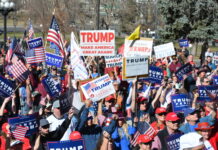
(19, 71)
(143, 128)
(35, 55)
(54, 36)
(19, 132)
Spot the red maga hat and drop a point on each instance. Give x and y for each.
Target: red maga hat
(203, 126)
(143, 138)
(141, 99)
(160, 110)
(75, 135)
(111, 97)
(172, 117)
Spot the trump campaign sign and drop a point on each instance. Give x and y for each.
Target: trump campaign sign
(180, 102)
(113, 61)
(164, 50)
(66, 145)
(98, 88)
(142, 47)
(215, 80)
(29, 121)
(97, 42)
(6, 87)
(185, 69)
(183, 43)
(53, 60)
(155, 74)
(173, 141)
(207, 93)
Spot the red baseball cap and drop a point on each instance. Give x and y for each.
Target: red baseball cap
(111, 97)
(203, 126)
(143, 138)
(5, 111)
(141, 99)
(160, 110)
(75, 135)
(172, 117)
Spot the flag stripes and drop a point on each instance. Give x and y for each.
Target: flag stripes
(19, 132)
(39, 56)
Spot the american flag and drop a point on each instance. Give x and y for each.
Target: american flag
(54, 36)
(143, 128)
(31, 31)
(35, 55)
(19, 71)
(19, 132)
(88, 87)
(14, 47)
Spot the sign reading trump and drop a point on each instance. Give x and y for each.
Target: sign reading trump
(98, 88)
(66, 145)
(97, 42)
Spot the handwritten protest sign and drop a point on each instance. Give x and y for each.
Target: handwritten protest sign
(180, 102)
(155, 74)
(164, 50)
(53, 60)
(97, 42)
(29, 121)
(98, 88)
(215, 58)
(113, 61)
(215, 80)
(6, 87)
(207, 92)
(66, 145)
(135, 66)
(183, 43)
(185, 69)
(173, 141)
(52, 87)
(142, 47)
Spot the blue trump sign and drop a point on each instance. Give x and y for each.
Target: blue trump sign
(207, 93)
(53, 60)
(6, 87)
(173, 141)
(185, 69)
(180, 102)
(155, 74)
(183, 43)
(53, 88)
(34, 43)
(29, 121)
(215, 80)
(66, 145)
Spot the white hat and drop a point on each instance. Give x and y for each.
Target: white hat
(190, 140)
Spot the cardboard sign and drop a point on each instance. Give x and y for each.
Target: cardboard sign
(180, 102)
(53, 60)
(35, 43)
(185, 69)
(215, 58)
(29, 121)
(164, 50)
(215, 80)
(98, 89)
(113, 61)
(97, 42)
(155, 74)
(183, 43)
(67, 145)
(173, 141)
(52, 87)
(206, 91)
(6, 87)
(135, 66)
(142, 47)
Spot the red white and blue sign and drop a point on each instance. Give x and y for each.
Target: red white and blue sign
(6, 87)
(208, 93)
(53, 60)
(155, 74)
(67, 145)
(185, 69)
(183, 43)
(180, 102)
(173, 141)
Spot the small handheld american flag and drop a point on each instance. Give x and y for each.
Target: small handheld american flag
(18, 132)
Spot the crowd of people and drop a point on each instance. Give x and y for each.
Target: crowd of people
(113, 122)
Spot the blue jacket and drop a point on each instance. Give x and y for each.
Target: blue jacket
(186, 128)
(122, 143)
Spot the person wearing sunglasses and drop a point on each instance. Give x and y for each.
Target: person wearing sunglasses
(144, 142)
(160, 114)
(172, 125)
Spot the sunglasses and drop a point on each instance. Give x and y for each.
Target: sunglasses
(148, 143)
(143, 102)
(45, 127)
(161, 114)
(173, 122)
(110, 101)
